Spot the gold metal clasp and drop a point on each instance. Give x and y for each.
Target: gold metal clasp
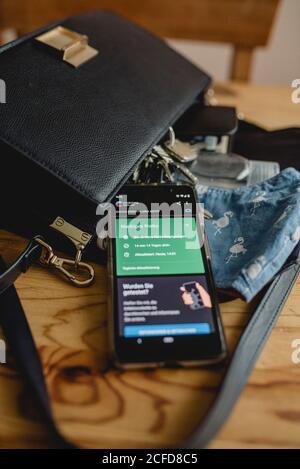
(69, 46)
(79, 238)
(83, 274)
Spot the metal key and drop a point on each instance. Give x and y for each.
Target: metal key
(162, 159)
(183, 152)
(160, 151)
(167, 170)
(147, 170)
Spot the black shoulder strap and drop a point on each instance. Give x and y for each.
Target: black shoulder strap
(19, 337)
(244, 357)
(242, 362)
(9, 275)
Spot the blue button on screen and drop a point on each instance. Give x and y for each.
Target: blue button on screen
(167, 329)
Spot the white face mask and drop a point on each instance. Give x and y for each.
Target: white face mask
(253, 230)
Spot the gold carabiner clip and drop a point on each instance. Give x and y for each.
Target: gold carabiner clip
(49, 258)
(59, 263)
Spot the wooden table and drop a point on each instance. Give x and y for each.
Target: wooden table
(99, 407)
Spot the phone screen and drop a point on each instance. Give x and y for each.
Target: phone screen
(163, 293)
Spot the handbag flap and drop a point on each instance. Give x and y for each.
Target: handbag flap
(90, 126)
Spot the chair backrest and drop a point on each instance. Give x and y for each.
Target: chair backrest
(245, 24)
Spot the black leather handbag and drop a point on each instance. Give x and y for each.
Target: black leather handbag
(87, 100)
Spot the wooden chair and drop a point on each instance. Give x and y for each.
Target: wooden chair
(245, 24)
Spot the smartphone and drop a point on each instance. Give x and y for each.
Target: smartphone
(162, 299)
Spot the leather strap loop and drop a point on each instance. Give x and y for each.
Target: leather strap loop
(31, 254)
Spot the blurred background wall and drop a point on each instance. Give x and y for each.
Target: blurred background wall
(278, 63)
(250, 40)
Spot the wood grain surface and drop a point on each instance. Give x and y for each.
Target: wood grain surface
(95, 405)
